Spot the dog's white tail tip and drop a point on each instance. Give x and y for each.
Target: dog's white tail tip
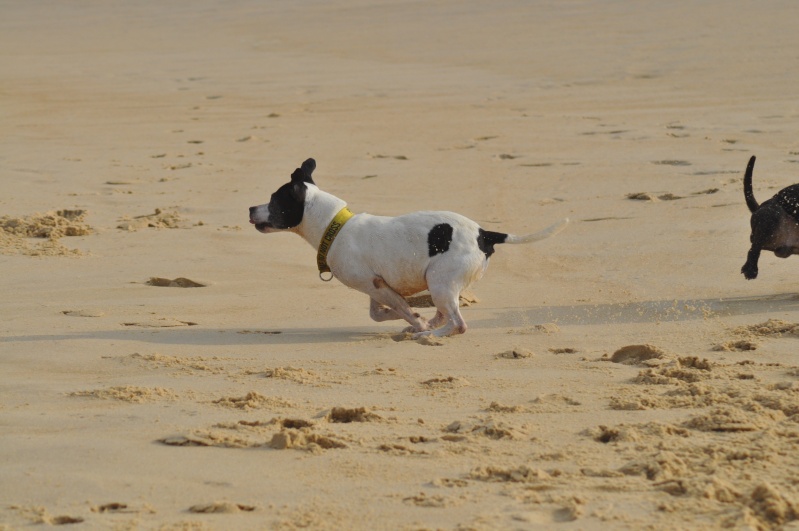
(540, 235)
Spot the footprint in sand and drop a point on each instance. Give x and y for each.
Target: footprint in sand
(84, 313)
(709, 191)
(180, 282)
(425, 500)
(671, 162)
(397, 157)
(611, 132)
(487, 428)
(430, 341)
(220, 507)
(564, 350)
(113, 507)
(680, 128)
(609, 218)
(160, 322)
(450, 382)
(515, 354)
(496, 407)
(647, 196)
(160, 219)
(347, 415)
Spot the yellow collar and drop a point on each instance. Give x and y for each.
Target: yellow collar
(327, 240)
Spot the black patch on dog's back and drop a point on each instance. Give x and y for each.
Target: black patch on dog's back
(788, 199)
(486, 240)
(439, 238)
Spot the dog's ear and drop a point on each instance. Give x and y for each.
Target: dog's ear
(303, 174)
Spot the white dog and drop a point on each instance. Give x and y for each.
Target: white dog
(389, 258)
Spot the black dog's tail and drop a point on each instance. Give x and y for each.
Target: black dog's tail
(749, 195)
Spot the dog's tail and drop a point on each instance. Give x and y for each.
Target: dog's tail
(540, 235)
(749, 195)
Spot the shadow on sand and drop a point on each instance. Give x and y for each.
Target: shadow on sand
(579, 314)
(646, 311)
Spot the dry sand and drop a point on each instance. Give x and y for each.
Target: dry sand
(622, 375)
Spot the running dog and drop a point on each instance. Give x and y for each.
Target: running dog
(389, 258)
(775, 223)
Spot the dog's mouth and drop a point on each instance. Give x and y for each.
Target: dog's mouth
(261, 226)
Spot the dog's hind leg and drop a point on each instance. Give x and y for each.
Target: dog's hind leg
(446, 297)
(437, 321)
(765, 224)
(448, 315)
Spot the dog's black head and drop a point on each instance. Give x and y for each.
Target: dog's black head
(286, 206)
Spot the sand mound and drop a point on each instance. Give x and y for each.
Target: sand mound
(130, 393)
(303, 439)
(520, 474)
(292, 374)
(253, 400)
(160, 219)
(15, 233)
(770, 328)
(742, 345)
(50, 225)
(487, 428)
(636, 354)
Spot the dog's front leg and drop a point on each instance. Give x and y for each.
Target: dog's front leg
(379, 312)
(387, 304)
(749, 269)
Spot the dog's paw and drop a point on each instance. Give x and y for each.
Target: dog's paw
(749, 271)
(421, 326)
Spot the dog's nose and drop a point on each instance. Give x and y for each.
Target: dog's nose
(252, 210)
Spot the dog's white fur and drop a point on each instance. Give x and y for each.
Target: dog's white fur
(387, 258)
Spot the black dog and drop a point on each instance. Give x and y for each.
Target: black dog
(775, 223)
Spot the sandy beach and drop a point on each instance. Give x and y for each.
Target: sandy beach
(165, 366)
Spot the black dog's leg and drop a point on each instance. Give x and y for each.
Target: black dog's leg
(749, 269)
(765, 224)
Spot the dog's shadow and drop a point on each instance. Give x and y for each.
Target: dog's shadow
(564, 315)
(645, 311)
(199, 335)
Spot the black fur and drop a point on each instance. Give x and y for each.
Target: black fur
(749, 195)
(439, 238)
(486, 240)
(287, 204)
(766, 220)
